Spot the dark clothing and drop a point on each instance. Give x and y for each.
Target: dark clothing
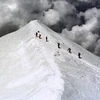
(69, 49)
(59, 45)
(39, 36)
(79, 55)
(36, 34)
(46, 39)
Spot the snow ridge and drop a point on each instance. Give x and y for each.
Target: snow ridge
(36, 75)
(33, 69)
(56, 78)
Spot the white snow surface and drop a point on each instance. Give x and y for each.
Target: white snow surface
(33, 69)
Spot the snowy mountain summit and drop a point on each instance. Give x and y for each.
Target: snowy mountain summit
(32, 68)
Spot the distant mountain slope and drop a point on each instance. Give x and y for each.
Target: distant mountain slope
(33, 69)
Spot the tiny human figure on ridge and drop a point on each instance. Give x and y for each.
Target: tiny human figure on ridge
(69, 49)
(40, 36)
(36, 34)
(79, 55)
(59, 45)
(47, 39)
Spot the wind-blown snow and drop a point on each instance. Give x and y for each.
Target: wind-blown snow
(33, 69)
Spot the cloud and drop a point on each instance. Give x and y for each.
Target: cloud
(65, 15)
(20, 12)
(51, 17)
(81, 35)
(86, 35)
(64, 8)
(7, 28)
(83, 5)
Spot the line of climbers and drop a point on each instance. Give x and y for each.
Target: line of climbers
(69, 49)
(79, 54)
(39, 35)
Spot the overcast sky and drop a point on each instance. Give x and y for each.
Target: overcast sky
(78, 20)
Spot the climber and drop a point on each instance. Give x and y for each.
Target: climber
(47, 39)
(36, 34)
(79, 55)
(59, 45)
(69, 49)
(39, 36)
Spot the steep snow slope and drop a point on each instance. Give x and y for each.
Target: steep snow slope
(33, 69)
